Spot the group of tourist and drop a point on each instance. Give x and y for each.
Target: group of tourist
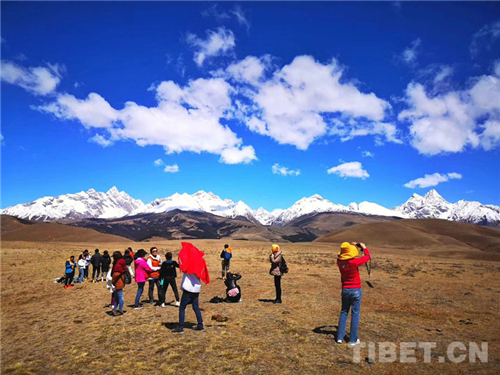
(162, 273)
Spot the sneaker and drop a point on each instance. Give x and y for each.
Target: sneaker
(65, 287)
(138, 307)
(70, 286)
(178, 303)
(354, 343)
(339, 341)
(178, 330)
(163, 305)
(199, 328)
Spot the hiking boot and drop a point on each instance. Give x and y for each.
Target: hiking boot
(178, 330)
(178, 303)
(198, 328)
(138, 307)
(354, 343)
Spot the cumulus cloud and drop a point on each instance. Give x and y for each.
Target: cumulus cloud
(36, 80)
(249, 70)
(185, 119)
(100, 140)
(171, 168)
(484, 37)
(284, 171)
(409, 55)
(367, 154)
(432, 180)
(352, 169)
(158, 162)
(297, 104)
(217, 43)
(451, 121)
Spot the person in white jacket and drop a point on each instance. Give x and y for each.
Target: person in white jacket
(82, 264)
(154, 262)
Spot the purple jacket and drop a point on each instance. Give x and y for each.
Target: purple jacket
(142, 270)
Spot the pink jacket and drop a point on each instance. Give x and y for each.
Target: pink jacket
(142, 270)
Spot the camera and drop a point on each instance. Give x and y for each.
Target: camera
(359, 246)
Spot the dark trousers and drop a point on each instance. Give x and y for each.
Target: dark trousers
(169, 280)
(87, 272)
(69, 278)
(94, 270)
(152, 284)
(277, 285)
(189, 298)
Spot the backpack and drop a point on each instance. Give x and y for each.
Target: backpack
(127, 277)
(227, 255)
(283, 266)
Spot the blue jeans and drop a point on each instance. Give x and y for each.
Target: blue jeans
(119, 300)
(140, 289)
(79, 279)
(186, 299)
(351, 299)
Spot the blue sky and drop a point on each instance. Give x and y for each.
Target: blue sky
(254, 101)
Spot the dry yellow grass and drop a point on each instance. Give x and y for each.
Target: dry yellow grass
(48, 330)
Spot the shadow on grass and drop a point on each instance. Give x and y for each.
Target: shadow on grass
(267, 300)
(326, 330)
(110, 313)
(369, 284)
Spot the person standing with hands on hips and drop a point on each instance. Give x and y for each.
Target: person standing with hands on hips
(351, 288)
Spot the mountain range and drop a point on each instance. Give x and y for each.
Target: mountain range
(119, 205)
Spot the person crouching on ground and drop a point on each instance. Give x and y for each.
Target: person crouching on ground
(194, 267)
(167, 277)
(118, 272)
(275, 259)
(142, 271)
(233, 290)
(154, 262)
(70, 272)
(351, 288)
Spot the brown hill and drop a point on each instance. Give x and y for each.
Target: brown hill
(14, 229)
(432, 235)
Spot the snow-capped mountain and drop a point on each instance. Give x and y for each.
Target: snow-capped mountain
(115, 204)
(433, 205)
(86, 204)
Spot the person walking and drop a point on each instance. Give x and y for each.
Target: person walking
(194, 267)
(82, 264)
(96, 265)
(351, 288)
(142, 271)
(154, 262)
(226, 256)
(70, 272)
(167, 277)
(275, 258)
(105, 262)
(118, 281)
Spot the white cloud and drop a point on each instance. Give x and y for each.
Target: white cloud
(490, 138)
(37, 80)
(158, 162)
(185, 119)
(431, 180)
(171, 168)
(352, 169)
(295, 105)
(409, 55)
(240, 16)
(100, 140)
(221, 16)
(367, 154)
(450, 122)
(2, 139)
(484, 37)
(249, 70)
(284, 171)
(217, 43)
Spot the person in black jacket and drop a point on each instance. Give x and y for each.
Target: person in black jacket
(129, 260)
(167, 277)
(105, 262)
(96, 265)
(233, 291)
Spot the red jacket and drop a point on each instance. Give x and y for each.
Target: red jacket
(118, 271)
(349, 270)
(191, 261)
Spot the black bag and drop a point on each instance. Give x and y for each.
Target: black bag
(127, 277)
(283, 265)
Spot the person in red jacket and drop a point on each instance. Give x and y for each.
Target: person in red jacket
(351, 288)
(118, 281)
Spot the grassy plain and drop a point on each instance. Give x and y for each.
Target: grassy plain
(416, 298)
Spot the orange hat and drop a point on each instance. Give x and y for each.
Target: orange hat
(275, 248)
(347, 251)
